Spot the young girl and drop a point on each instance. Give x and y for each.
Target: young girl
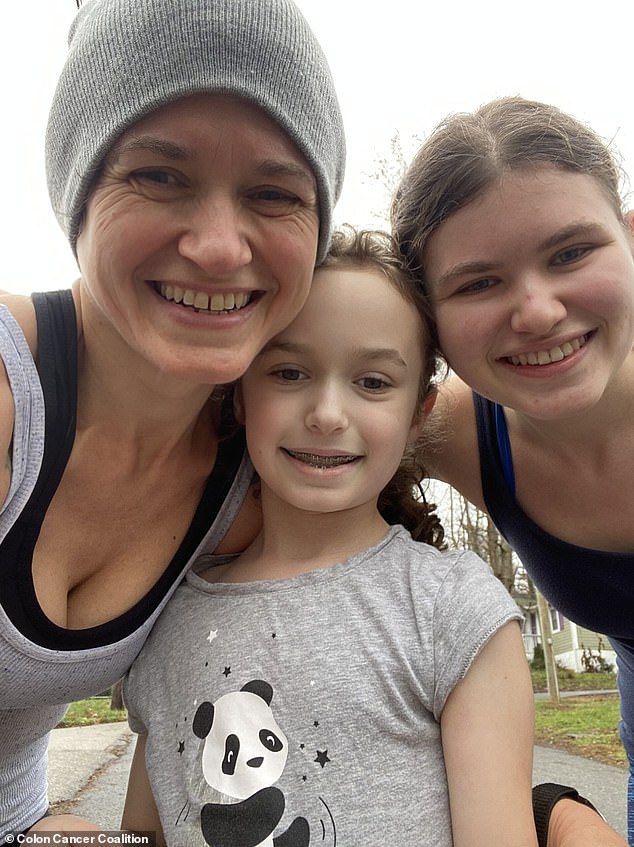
(338, 682)
(512, 219)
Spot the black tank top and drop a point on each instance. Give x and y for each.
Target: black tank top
(57, 368)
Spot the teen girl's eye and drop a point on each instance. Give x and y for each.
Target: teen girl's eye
(477, 286)
(571, 255)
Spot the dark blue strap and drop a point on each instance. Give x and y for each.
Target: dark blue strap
(504, 447)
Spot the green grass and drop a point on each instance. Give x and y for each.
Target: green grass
(92, 711)
(571, 681)
(585, 725)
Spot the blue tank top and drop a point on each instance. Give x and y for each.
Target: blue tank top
(594, 588)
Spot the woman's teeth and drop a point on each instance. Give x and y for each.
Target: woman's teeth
(202, 302)
(547, 357)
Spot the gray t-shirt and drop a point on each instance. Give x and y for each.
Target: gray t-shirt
(311, 705)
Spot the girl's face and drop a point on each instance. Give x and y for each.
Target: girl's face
(330, 402)
(200, 237)
(533, 291)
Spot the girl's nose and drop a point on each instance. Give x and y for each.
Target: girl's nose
(326, 413)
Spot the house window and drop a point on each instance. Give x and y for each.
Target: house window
(556, 620)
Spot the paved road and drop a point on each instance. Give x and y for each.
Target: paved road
(88, 768)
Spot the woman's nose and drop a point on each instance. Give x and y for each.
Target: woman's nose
(216, 237)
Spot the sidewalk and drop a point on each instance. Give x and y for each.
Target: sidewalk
(88, 770)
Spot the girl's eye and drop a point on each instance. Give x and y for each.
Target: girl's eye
(288, 374)
(373, 383)
(571, 255)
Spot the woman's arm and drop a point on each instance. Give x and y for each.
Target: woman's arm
(487, 735)
(574, 825)
(6, 433)
(140, 813)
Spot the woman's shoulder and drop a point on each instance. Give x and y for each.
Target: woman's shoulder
(21, 308)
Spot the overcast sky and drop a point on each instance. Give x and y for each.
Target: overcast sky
(399, 68)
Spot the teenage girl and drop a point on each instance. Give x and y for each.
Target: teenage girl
(512, 220)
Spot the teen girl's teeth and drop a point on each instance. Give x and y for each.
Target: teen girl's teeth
(323, 462)
(547, 357)
(202, 302)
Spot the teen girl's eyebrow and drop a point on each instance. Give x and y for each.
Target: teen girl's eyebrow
(467, 268)
(576, 229)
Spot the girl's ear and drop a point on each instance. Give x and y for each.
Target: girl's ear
(238, 405)
(430, 402)
(421, 416)
(629, 220)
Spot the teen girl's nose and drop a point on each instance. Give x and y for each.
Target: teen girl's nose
(536, 307)
(326, 413)
(215, 237)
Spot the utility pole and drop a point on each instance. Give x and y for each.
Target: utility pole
(547, 644)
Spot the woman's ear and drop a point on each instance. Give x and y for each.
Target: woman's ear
(238, 404)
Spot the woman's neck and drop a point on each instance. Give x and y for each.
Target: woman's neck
(123, 395)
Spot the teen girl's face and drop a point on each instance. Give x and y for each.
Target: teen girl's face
(330, 402)
(533, 291)
(200, 237)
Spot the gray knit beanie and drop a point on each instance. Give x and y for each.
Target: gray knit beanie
(129, 57)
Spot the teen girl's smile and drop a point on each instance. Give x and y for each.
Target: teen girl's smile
(200, 237)
(533, 292)
(331, 402)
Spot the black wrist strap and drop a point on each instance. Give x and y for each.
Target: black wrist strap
(544, 798)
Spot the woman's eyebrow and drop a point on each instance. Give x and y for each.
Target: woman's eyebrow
(167, 149)
(170, 150)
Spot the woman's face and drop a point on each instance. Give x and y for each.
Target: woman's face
(533, 291)
(200, 238)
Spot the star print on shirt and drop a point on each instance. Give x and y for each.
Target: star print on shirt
(181, 748)
(322, 758)
(226, 672)
(213, 634)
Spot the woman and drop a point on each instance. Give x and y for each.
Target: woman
(513, 221)
(194, 153)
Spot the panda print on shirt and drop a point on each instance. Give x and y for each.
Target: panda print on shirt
(244, 754)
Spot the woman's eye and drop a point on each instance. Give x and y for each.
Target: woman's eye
(155, 177)
(274, 201)
(571, 254)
